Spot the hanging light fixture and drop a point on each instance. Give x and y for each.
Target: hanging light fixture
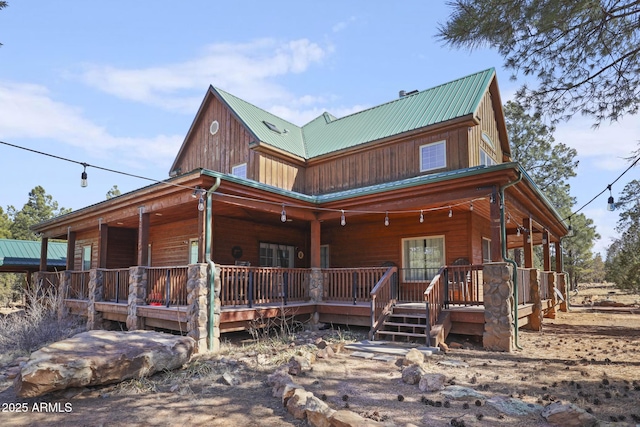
(343, 220)
(611, 205)
(421, 217)
(386, 219)
(201, 202)
(450, 212)
(528, 236)
(471, 206)
(518, 232)
(544, 237)
(283, 214)
(570, 229)
(196, 192)
(83, 176)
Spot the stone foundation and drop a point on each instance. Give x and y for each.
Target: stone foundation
(197, 305)
(535, 320)
(551, 313)
(499, 334)
(562, 287)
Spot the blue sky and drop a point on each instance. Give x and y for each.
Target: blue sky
(117, 84)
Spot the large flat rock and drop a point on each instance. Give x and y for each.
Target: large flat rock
(101, 357)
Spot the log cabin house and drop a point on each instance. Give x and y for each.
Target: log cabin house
(386, 218)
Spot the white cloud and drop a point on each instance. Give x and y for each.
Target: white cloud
(340, 26)
(246, 70)
(28, 111)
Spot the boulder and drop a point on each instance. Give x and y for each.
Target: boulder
(101, 357)
(413, 357)
(432, 382)
(412, 374)
(568, 415)
(346, 418)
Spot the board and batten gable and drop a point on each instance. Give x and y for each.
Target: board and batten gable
(384, 161)
(230, 146)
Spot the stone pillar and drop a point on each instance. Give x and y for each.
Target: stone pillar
(499, 332)
(63, 291)
(137, 296)
(197, 305)
(96, 294)
(316, 294)
(535, 321)
(562, 287)
(551, 313)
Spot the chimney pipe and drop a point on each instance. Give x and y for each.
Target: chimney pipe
(402, 93)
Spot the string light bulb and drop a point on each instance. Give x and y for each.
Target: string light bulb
(570, 229)
(201, 202)
(450, 212)
(83, 176)
(283, 214)
(343, 220)
(518, 232)
(421, 217)
(611, 205)
(471, 206)
(386, 219)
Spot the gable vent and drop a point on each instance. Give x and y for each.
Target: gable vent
(213, 129)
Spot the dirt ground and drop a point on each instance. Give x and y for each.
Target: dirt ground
(589, 356)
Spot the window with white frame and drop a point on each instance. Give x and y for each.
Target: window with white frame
(86, 257)
(486, 159)
(422, 257)
(433, 156)
(193, 251)
(486, 250)
(275, 255)
(488, 140)
(240, 170)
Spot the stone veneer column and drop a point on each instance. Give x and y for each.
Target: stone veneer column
(197, 304)
(499, 332)
(562, 287)
(535, 320)
(96, 294)
(137, 296)
(63, 290)
(551, 313)
(316, 293)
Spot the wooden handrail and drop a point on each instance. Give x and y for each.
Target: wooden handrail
(382, 299)
(434, 299)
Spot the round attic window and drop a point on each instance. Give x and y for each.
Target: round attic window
(213, 129)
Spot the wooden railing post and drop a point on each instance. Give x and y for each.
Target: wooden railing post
(167, 289)
(285, 286)
(446, 288)
(117, 286)
(354, 286)
(250, 288)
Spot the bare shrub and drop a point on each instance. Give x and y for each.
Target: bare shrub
(37, 325)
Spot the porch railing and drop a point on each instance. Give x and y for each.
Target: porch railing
(167, 286)
(434, 298)
(48, 280)
(413, 282)
(543, 279)
(382, 299)
(464, 284)
(263, 285)
(78, 286)
(116, 285)
(351, 284)
(524, 285)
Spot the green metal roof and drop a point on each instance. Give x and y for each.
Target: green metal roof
(27, 253)
(327, 134)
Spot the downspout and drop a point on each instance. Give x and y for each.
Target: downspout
(503, 239)
(212, 267)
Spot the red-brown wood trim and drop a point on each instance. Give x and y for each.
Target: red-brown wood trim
(558, 257)
(546, 251)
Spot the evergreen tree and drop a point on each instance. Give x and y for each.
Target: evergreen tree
(5, 225)
(113, 192)
(40, 207)
(583, 55)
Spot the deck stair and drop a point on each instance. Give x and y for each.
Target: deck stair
(408, 323)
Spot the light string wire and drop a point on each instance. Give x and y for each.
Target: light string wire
(197, 188)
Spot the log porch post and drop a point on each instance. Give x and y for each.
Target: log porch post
(496, 235)
(558, 257)
(546, 251)
(71, 249)
(103, 241)
(528, 246)
(315, 244)
(202, 219)
(44, 246)
(143, 237)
